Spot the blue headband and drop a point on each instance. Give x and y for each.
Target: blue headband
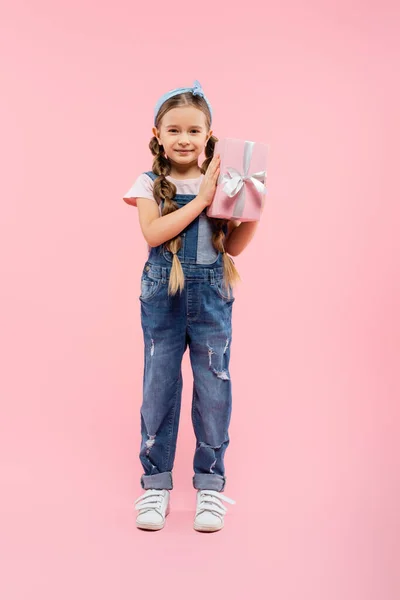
(196, 90)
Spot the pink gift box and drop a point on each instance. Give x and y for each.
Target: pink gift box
(241, 183)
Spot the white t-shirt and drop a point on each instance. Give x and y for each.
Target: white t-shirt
(143, 187)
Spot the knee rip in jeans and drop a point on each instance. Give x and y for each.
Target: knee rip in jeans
(221, 374)
(150, 443)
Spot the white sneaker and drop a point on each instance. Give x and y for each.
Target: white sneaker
(210, 511)
(153, 507)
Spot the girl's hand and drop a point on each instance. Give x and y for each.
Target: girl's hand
(209, 183)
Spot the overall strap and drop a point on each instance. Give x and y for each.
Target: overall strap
(152, 175)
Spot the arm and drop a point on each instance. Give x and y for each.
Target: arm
(157, 230)
(239, 236)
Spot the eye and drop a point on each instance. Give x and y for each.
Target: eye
(172, 130)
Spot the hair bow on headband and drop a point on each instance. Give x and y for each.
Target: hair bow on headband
(196, 90)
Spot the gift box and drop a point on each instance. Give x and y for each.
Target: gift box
(240, 187)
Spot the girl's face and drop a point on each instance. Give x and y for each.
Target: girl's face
(183, 134)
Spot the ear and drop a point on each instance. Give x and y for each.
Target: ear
(156, 134)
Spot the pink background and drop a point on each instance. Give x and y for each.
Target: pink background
(314, 458)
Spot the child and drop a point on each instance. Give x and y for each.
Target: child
(186, 300)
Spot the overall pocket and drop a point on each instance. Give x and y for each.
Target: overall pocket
(222, 291)
(148, 287)
(180, 254)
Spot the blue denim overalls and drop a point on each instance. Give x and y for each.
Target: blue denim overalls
(200, 317)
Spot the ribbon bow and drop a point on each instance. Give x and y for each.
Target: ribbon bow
(197, 90)
(234, 181)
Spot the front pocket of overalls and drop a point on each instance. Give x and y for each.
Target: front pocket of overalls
(181, 252)
(222, 291)
(149, 287)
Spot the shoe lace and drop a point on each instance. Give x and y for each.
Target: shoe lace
(211, 501)
(150, 500)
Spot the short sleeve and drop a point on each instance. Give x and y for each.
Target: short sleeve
(141, 188)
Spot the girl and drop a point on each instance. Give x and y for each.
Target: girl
(186, 300)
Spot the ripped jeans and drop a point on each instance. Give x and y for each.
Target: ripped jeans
(199, 317)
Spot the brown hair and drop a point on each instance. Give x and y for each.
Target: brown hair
(165, 190)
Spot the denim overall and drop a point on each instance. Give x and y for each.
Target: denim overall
(200, 317)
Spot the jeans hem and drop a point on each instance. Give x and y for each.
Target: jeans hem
(158, 481)
(208, 481)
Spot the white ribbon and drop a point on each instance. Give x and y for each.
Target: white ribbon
(234, 182)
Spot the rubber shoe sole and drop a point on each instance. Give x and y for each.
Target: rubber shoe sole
(207, 528)
(153, 526)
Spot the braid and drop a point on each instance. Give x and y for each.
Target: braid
(231, 275)
(165, 191)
